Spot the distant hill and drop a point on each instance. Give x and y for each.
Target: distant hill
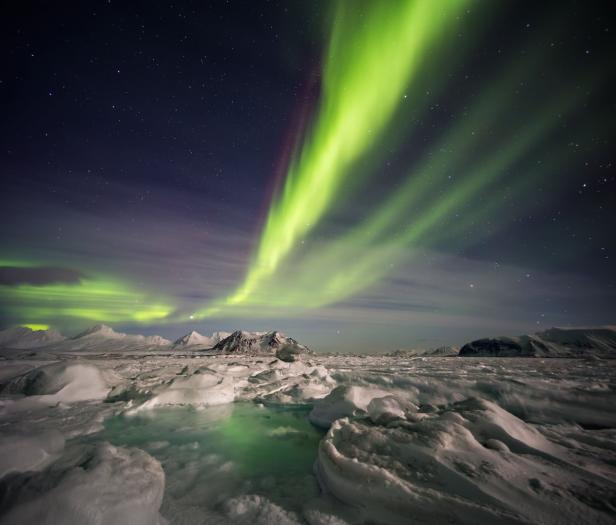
(555, 342)
(441, 351)
(22, 337)
(100, 338)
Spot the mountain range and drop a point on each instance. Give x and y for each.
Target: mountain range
(102, 338)
(555, 342)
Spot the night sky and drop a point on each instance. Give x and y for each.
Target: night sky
(362, 175)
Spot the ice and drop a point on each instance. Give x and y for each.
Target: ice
(104, 486)
(258, 510)
(216, 454)
(59, 383)
(201, 389)
(472, 460)
(23, 453)
(323, 439)
(344, 401)
(389, 408)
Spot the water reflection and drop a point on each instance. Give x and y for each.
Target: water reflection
(218, 453)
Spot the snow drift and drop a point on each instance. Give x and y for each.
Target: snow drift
(472, 460)
(106, 485)
(65, 382)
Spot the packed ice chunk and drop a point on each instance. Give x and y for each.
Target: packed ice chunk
(106, 485)
(343, 401)
(388, 408)
(258, 510)
(64, 382)
(24, 453)
(200, 389)
(470, 462)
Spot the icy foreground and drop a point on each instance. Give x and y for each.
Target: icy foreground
(187, 437)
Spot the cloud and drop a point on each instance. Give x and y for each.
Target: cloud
(38, 275)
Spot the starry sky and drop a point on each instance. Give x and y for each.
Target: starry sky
(361, 175)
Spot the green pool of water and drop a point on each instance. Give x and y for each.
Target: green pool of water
(220, 452)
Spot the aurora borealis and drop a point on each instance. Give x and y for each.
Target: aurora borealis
(352, 114)
(451, 174)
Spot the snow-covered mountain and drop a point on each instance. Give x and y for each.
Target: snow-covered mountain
(194, 338)
(259, 343)
(103, 338)
(22, 337)
(555, 342)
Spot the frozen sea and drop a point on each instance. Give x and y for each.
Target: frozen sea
(186, 438)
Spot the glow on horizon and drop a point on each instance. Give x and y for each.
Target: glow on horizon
(35, 326)
(97, 299)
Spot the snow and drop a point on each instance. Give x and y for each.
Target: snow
(472, 460)
(60, 383)
(344, 401)
(103, 486)
(23, 453)
(201, 389)
(189, 436)
(194, 338)
(261, 343)
(254, 509)
(102, 338)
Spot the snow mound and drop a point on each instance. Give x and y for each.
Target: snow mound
(555, 342)
(343, 401)
(104, 486)
(61, 383)
(259, 343)
(24, 453)
(22, 337)
(469, 462)
(288, 383)
(203, 388)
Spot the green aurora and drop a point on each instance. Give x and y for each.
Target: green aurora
(387, 47)
(93, 299)
(376, 65)
(290, 271)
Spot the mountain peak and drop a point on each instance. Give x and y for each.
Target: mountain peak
(24, 337)
(191, 338)
(98, 329)
(258, 343)
(195, 338)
